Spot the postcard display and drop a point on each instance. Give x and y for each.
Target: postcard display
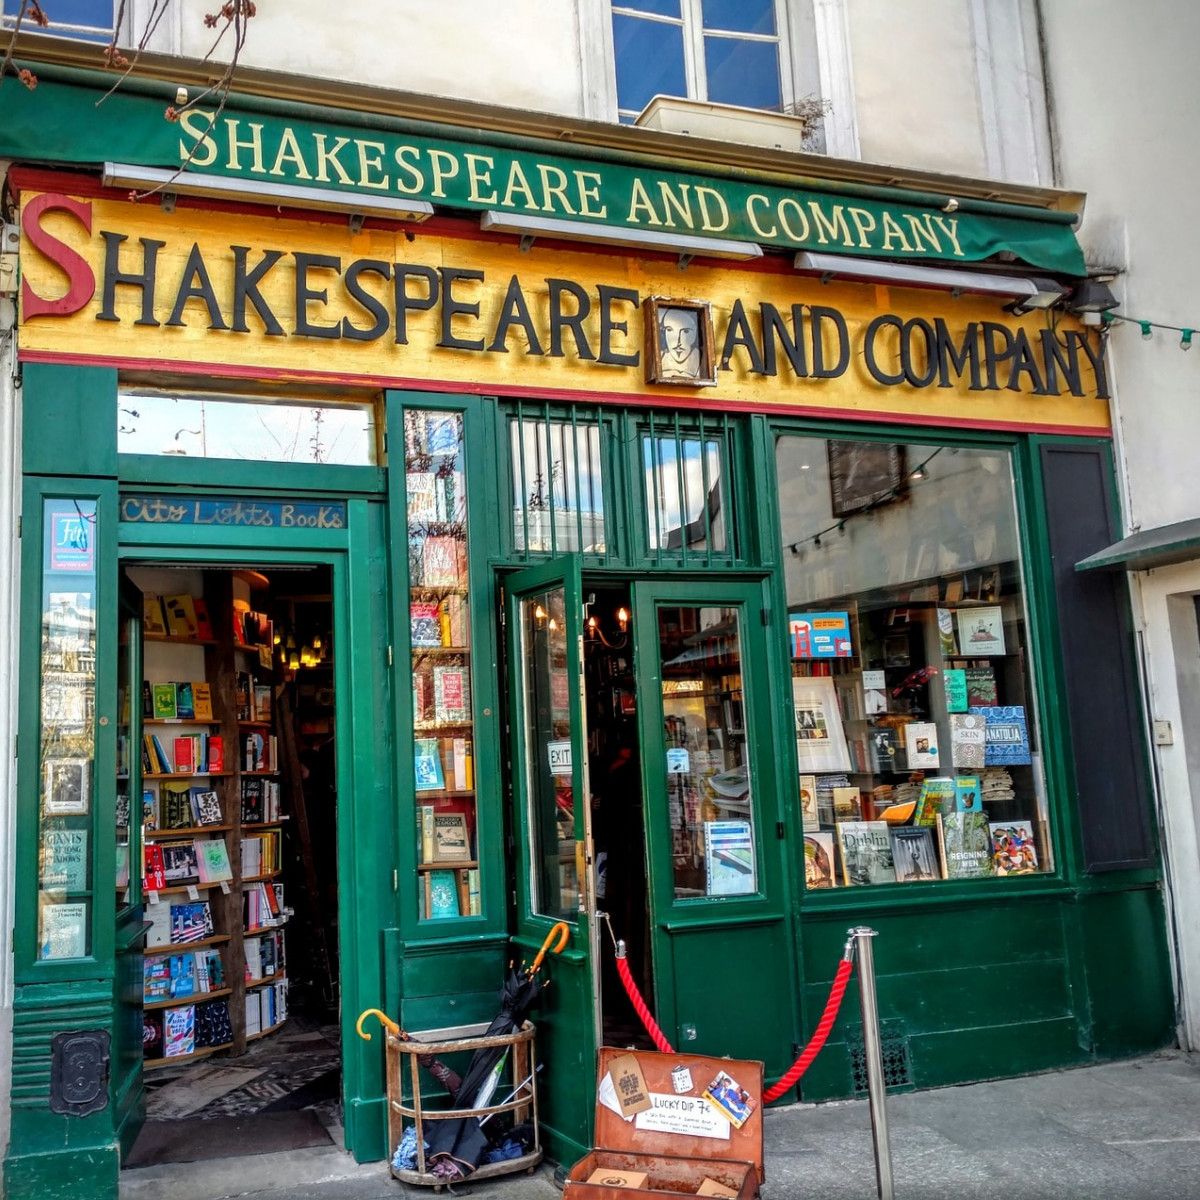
(439, 638)
(212, 823)
(915, 744)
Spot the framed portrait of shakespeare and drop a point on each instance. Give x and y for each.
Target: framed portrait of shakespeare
(679, 342)
(863, 475)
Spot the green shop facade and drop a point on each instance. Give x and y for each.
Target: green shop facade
(688, 582)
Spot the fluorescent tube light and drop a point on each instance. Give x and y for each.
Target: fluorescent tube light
(529, 228)
(1029, 293)
(355, 205)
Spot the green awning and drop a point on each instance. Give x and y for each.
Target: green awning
(1151, 548)
(272, 143)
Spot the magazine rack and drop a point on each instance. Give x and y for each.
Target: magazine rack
(402, 1058)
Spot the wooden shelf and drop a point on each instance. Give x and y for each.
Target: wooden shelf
(178, 641)
(462, 651)
(259, 773)
(178, 721)
(457, 864)
(265, 824)
(262, 1033)
(186, 775)
(254, 724)
(443, 726)
(180, 1001)
(180, 947)
(251, 984)
(253, 646)
(176, 890)
(446, 794)
(440, 589)
(262, 878)
(150, 1063)
(158, 835)
(259, 929)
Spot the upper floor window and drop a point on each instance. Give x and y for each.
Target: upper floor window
(727, 51)
(88, 20)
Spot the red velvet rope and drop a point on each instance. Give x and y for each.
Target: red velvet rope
(840, 981)
(817, 1041)
(635, 998)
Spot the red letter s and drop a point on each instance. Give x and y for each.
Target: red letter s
(80, 279)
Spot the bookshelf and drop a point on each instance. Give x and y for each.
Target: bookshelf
(439, 633)
(200, 762)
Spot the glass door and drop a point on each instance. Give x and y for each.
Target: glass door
(544, 625)
(722, 946)
(128, 1093)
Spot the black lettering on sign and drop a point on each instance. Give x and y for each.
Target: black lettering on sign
(306, 295)
(114, 277)
(371, 304)
(196, 285)
(453, 307)
(406, 303)
(560, 320)
(608, 326)
(246, 280)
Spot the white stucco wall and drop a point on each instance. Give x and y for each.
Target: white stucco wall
(1126, 106)
(519, 53)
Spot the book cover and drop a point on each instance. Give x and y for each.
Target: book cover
(729, 858)
(252, 802)
(262, 701)
(968, 796)
(981, 632)
(183, 752)
(202, 700)
(64, 860)
(808, 802)
(164, 701)
(937, 796)
(866, 851)
(820, 634)
(424, 622)
(213, 860)
(150, 807)
(820, 742)
(442, 895)
(913, 855)
(425, 831)
(884, 747)
(945, 626)
(968, 737)
(206, 806)
(185, 706)
(154, 878)
(1006, 736)
(1014, 850)
(427, 765)
(442, 562)
(175, 805)
(204, 629)
(450, 837)
(921, 745)
(216, 755)
(152, 616)
(181, 616)
(451, 701)
(874, 685)
(421, 488)
(179, 1031)
(730, 1099)
(981, 687)
(242, 695)
(819, 869)
(191, 922)
(954, 680)
(156, 979)
(474, 901)
(179, 863)
(183, 975)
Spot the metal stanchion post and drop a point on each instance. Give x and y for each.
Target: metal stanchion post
(876, 1089)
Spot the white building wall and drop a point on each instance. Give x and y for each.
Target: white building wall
(1125, 106)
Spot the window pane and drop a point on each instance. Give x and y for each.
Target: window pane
(558, 489)
(88, 20)
(708, 767)
(683, 494)
(745, 73)
(740, 16)
(246, 427)
(662, 8)
(68, 743)
(912, 679)
(649, 58)
(550, 799)
(440, 638)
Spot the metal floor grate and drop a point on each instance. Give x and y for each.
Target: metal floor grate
(897, 1067)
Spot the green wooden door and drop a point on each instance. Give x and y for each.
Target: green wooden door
(544, 624)
(128, 1093)
(721, 935)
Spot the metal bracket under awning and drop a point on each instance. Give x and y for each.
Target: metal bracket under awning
(1158, 547)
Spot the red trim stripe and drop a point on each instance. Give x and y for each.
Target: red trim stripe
(572, 395)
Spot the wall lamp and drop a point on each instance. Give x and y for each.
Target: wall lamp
(530, 228)
(1092, 296)
(357, 206)
(1027, 293)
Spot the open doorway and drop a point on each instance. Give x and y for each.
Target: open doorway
(618, 813)
(238, 824)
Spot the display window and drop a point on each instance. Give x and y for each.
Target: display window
(912, 674)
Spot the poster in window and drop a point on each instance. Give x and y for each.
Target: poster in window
(863, 475)
(63, 931)
(65, 787)
(980, 632)
(729, 858)
(820, 743)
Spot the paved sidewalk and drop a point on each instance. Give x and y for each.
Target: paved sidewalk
(1126, 1130)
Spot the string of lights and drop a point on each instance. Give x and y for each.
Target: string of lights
(1148, 328)
(918, 473)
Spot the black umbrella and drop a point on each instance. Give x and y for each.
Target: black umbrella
(457, 1146)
